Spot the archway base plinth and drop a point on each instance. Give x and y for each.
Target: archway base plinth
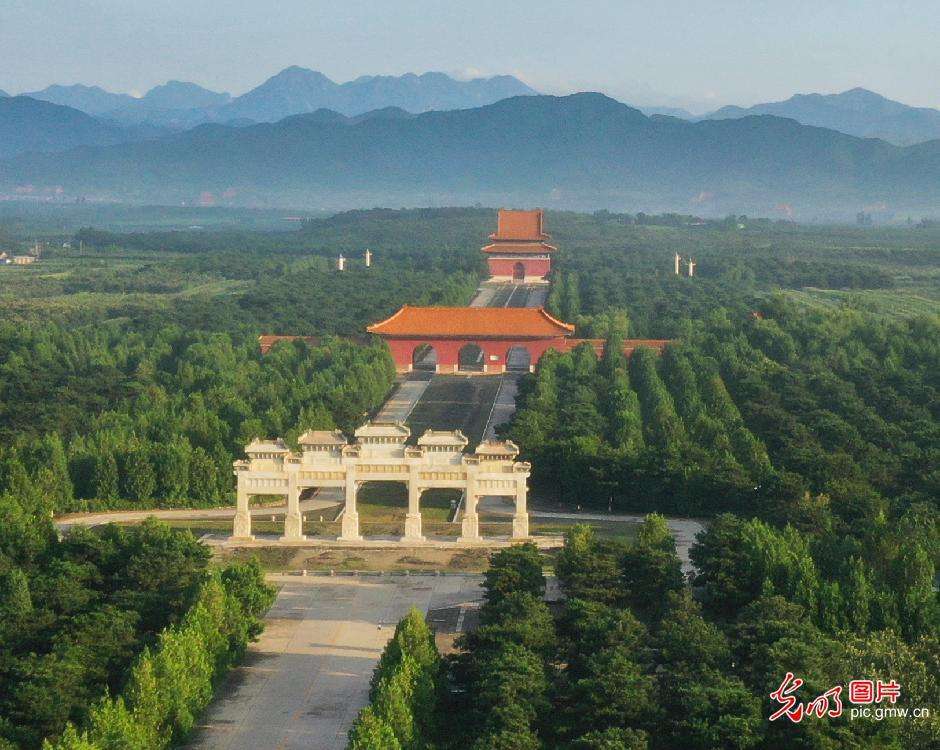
(413, 529)
(350, 530)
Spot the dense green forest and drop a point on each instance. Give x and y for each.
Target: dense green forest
(117, 612)
(146, 341)
(631, 660)
(801, 394)
(112, 416)
(746, 414)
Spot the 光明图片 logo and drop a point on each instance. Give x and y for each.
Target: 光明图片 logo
(866, 697)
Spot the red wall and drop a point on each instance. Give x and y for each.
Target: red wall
(447, 351)
(534, 267)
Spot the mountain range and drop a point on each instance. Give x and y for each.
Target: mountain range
(857, 112)
(293, 91)
(28, 124)
(579, 151)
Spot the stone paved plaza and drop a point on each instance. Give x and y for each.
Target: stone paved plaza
(301, 686)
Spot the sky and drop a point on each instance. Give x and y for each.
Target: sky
(697, 54)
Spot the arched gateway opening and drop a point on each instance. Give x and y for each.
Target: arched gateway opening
(518, 359)
(518, 273)
(424, 358)
(470, 358)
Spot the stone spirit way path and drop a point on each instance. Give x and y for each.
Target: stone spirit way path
(302, 684)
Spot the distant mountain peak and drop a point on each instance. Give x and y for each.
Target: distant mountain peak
(296, 90)
(295, 73)
(857, 111)
(182, 95)
(92, 100)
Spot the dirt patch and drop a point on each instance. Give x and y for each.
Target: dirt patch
(472, 559)
(412, 560)
(325, 559)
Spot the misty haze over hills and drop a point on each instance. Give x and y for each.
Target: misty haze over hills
(579, 151)
(28, 124)
(293, 91)
(856, 112)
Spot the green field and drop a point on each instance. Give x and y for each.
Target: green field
(900, 302)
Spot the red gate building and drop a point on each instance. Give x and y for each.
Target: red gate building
(481, 339)
(519, 251)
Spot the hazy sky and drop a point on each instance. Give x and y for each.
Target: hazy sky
(694, 52)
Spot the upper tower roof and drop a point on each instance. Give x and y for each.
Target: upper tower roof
(519, 225)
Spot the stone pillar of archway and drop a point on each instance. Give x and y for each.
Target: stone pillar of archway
(350, 530)
(293, 521)
(520, 521)
(241, 528)
(413, 517)
(470, 525)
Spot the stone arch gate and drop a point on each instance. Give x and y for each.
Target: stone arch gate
(380, 453)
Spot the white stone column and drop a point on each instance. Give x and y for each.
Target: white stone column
(293, 523)
(350, 532)
(241, 528)
(413, 518)
(520, 521)
(470, 525)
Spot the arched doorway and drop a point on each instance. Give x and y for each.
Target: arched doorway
(518, 273)
(424, 358)
(518, 359)
(470, 358)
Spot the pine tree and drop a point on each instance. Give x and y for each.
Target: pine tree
(369, 732)
(139, 479)
(203, 480)
(105, 476)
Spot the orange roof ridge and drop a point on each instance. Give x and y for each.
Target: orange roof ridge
(472, 322)
(556, 321)
(388, 319)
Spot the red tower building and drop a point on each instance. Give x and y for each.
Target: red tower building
(519, 251)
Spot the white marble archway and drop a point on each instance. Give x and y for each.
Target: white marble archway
(380, 453)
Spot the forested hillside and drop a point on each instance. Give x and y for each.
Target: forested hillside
(581, 151)
(123, 417)
(743, 414)
(773, 388)
(130, 374)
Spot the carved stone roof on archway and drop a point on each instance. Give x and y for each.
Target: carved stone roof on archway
(453, 438)
(372, 430)
(267, 446)
(322, 437)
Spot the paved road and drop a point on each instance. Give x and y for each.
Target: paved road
(305, 680)
(504, 406)
(401, 403)
(483, 296)
(323, 499)
(455, 402)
